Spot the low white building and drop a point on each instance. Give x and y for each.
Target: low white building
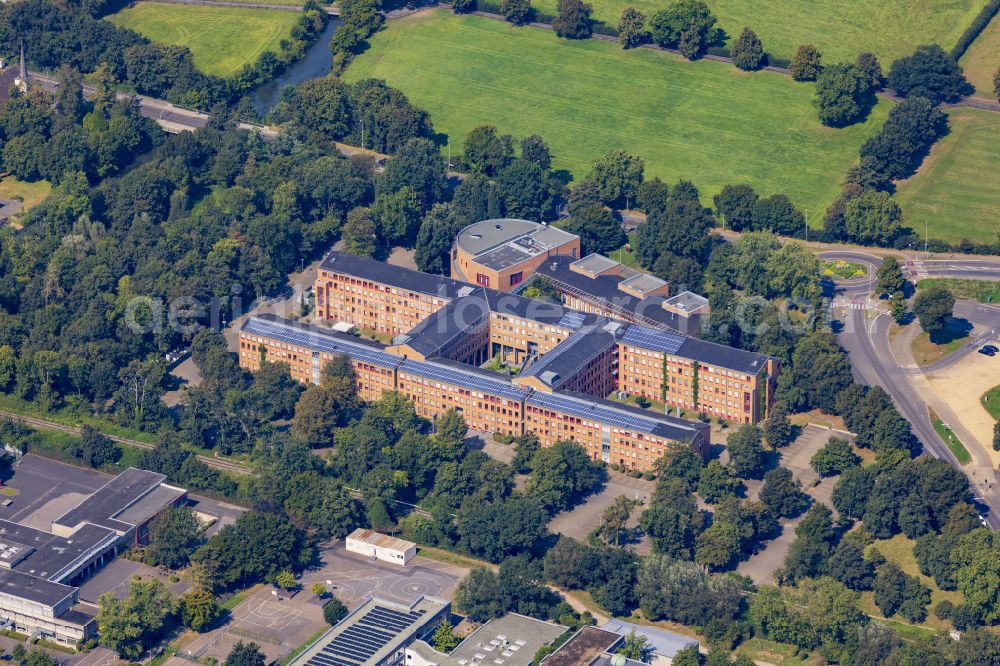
(380, 546)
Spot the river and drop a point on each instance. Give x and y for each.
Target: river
(315, 63)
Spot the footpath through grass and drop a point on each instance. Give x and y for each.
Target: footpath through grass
(221, 39)
(981, 60)
(704, 121)
(956, 192)
(840, 28)
(950, 438)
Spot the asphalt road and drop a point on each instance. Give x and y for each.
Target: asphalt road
(867, 342)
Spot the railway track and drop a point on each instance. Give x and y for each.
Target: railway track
(217, 463)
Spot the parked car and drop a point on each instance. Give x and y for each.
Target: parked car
(992, 348)
(986, 352)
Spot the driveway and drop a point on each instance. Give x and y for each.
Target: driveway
(579, 521)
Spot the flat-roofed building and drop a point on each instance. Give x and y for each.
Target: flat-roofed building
(380, 546)
(39, 569)
(687, 304)
(125, 504)
(509, 640)
(584, 648)
(376, 633)
(503, 253)
(663, 645)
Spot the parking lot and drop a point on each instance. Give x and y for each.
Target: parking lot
(579, 521)
(119, 575)
(354, 577)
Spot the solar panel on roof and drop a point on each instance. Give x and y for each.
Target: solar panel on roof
(318, 342)
(470, 380)
(648, 338)
(572, 320)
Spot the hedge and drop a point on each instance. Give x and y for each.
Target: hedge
(978, 25)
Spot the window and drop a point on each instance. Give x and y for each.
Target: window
(483, 280)
(516, 278)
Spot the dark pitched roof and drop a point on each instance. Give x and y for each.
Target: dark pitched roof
(730, 358)
(542, 312)
(459, 317)
(396, 276)
(604, 289)
(555, 367)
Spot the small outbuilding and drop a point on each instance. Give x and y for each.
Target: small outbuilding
(380, 546)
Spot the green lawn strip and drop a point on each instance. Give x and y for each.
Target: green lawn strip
(300, 649)
(221, 39)
(981, 60)
(991, 402)
(984, 291)
(705, 121)
(951, 439)
(840, 28)
(29, 193)
(238, 598)
(956, 192)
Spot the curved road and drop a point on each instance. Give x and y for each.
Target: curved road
(873, 362)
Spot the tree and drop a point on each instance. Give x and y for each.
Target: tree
(848, 565)
(747, 52)
(561, 473)
(636, 647)
(996, 84)
(397, 216)
(318, 589)
(334, 611)
(890, 276)
(97, 450)
(535, 150)
(746, 455)
(976, 557)
(199, 609)
(174, 535)
(805, 64)
(870, 70)
(689, 656)
(896, 591)
(615, 518)
(617, 175)
(996, 436)
(517, 12)
(872, 218)
(839, 91)
(432, 252)
(811, 548)
(245, 654)
(717, 482)
(597, 228)
(685, 24)
(463, 6)
(777, 214)
(478, 595)
(632, 28)
(933, 308)
(898, 307)
(573, 21)
(128, 626)
(907, 134)
(286, 580)
(782, 493)
(834, 458)
(417, 164)
(486, 152)
(444, 639)
(526, 190)
(777, 428)
(735, 205)
(360, 234)
(929, 72)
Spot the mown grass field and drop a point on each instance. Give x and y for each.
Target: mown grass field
(221, 39)
(840, 28)
(956, 192)
(982, 59)
(984, 291)
(705, 121)
(991, 402)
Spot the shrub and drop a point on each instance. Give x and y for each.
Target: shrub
(747, 52)
(805, 65)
